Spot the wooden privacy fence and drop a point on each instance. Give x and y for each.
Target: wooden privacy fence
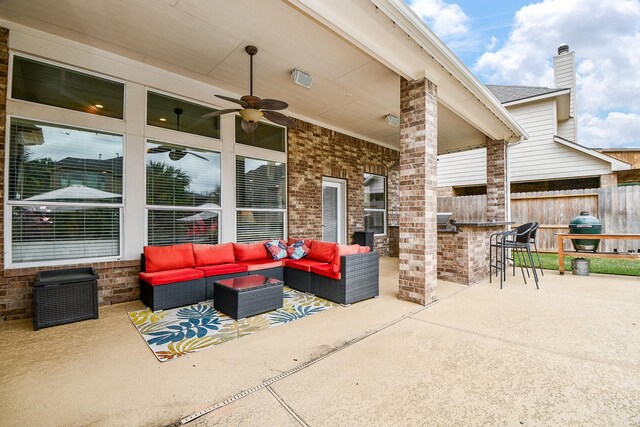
(617, 208)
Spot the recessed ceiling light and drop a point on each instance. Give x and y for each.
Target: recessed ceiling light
(98, 105)
(162, 119)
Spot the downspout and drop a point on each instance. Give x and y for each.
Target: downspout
(507, 173)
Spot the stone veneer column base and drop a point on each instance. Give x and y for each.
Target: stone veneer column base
(418, 190)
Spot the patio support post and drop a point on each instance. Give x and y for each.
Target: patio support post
(418, 190)
(497, 190)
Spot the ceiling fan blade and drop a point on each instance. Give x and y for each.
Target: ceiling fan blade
(249, 127)
(220, 112)
(273, 104)
(251, 101)
(237, 101)
(159, 149)
(198, 155)
(279, 118)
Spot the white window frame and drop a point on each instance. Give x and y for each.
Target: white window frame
(193, 209)
(9, 204)
(284, 211)
(384, 211)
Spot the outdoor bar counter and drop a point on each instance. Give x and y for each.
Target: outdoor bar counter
(463, 252)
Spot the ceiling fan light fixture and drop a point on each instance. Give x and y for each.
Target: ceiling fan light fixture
(251, 115)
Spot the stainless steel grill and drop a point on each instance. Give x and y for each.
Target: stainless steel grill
(445, 222)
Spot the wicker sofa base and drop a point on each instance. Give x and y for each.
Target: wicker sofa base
(297, 279)
(173, 295)
(359, 280)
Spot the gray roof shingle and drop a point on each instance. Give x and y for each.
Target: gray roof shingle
(515, 93)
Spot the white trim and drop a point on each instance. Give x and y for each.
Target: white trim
(557, 93)
(616, 165)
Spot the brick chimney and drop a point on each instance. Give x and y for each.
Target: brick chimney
(564, 73)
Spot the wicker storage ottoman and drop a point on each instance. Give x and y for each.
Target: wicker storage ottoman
(64, 296)
(242, 297)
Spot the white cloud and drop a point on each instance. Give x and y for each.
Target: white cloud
(615, 130)
(492, 43)
(446, 20)
(605, 35)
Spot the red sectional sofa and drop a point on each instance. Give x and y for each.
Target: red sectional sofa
(183, 274)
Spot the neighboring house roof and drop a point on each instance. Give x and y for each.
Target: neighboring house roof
(616, 165)
(506, 94)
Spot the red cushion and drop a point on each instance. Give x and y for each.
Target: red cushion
(160, 258)
(213, 254)
(322, 251)
(364, 250)
(302, 264)
(171, 276)
(262, 264)
(325, 270)
(215, 270)
(250, 251)
(343, 250)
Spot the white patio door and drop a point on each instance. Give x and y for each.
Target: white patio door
(334, 210)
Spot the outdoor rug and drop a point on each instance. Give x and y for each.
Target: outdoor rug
(180, 331)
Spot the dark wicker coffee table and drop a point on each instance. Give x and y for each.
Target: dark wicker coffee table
(246, 296)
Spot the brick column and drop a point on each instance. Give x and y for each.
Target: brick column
(497, 180)
(418, 190)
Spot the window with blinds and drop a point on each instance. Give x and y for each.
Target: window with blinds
(48, 84)
(64, 192)
(375, 203)
(183, 194)
(260, 199)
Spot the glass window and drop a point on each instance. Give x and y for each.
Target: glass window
(260, 199)
(183, 194)
(48, 84)
(266, 136)
(176, 114)
(375, 203)
(65, 192)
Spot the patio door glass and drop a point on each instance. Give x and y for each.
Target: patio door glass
(333, 210)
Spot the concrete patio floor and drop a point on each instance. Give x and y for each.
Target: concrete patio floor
(565, 355)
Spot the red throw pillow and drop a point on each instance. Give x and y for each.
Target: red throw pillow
(364, 250)
(250, 251)
(343, 250)
(213, 254)
(160, 258)
(322, 251)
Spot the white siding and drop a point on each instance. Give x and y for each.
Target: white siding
(538, 158)
(464, 168)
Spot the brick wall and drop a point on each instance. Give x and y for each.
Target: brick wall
(418, 190)
(315, 152)
(496, 180)
(463, 257)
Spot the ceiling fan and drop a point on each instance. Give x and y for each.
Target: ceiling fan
(175, 154)
(254, 108)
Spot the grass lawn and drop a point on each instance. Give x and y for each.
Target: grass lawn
(624, 267)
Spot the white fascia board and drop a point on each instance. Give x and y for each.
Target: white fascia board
(538, 98)
(616, 165)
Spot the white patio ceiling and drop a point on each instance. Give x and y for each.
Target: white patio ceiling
(205, 40)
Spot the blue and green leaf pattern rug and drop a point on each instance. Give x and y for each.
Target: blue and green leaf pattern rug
(184, 330)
